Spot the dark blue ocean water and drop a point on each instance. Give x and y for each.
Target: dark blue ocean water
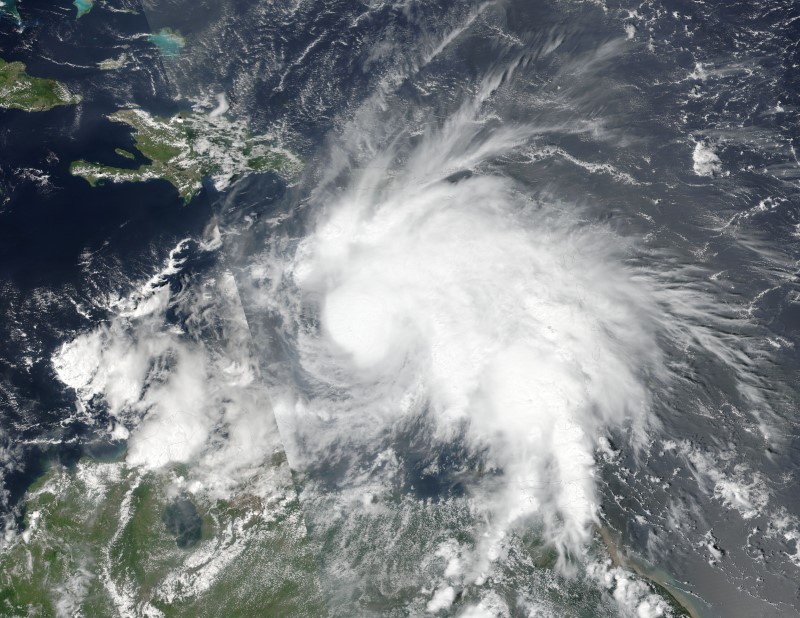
(65, 246)
(303, 71)
(725, 74)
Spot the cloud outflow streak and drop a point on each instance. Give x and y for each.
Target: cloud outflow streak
(432, 287)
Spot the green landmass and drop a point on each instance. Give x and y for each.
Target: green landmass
(124, 153)
(105, 539)
(18, 90)
(188, 147)
(100, 540)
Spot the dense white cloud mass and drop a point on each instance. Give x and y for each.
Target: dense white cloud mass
(461, 300)
(705, 161)
(183, 390)
(433, 291)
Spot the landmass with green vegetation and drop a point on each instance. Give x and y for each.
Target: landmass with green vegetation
(104, 539)
(18, 90)
(189, 146)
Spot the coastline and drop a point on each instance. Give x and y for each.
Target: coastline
(682, 599)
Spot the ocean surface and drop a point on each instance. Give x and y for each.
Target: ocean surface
(539, 279)
(65, 245)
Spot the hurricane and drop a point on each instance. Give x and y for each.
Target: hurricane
(454, 331)
(398, 308)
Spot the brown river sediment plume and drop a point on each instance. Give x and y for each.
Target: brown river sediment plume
(686, 602)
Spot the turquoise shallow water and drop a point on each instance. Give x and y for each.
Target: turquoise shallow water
(8, 8)
(83, 6)
(169, 42)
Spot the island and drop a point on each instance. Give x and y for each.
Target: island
(83, 6)
(111, 64)
(186, 148)
(18, 90)
(8, 8)
(168, 41)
